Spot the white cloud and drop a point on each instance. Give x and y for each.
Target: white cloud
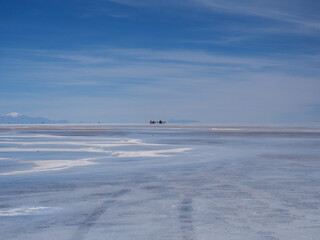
(138, 84)
(301, 14)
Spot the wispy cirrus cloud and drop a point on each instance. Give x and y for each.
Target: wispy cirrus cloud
(120, 59)
(121, 66)
(298, 16)
(288, 11)
(105, 65)
(196, 82)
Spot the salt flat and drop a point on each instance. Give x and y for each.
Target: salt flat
(159, 182)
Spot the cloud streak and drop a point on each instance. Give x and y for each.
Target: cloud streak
(140, 68)
(287, 11)
(194, 81)
(270, 9)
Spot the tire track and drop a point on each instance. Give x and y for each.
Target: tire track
(91, 220)
(186, 219)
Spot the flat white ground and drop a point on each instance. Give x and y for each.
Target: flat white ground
(159, 182)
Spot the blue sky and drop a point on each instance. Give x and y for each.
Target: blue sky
(118, 61)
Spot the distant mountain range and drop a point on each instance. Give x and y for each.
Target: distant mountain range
(182, 121)
(17, 118)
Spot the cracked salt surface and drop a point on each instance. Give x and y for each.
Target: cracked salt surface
(179, 183)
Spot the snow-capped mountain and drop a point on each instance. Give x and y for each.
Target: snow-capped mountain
(17, 118)
(13, 114)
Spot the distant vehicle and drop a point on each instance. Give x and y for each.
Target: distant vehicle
(157, 122)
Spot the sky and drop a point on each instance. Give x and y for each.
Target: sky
(129, 61)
